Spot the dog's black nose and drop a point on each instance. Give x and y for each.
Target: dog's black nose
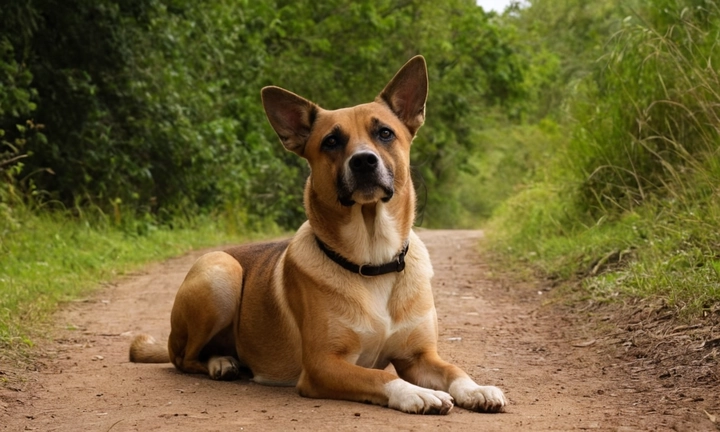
(364, 162)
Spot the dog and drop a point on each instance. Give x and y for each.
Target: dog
(328, 310)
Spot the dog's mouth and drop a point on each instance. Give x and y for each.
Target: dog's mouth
(366, 195)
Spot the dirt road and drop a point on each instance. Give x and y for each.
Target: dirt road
(554, 373)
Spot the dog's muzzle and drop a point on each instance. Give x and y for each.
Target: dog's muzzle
(365, 178)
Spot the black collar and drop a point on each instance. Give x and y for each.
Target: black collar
(397, 265)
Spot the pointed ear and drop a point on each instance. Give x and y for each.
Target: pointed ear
(407, 92)
(290, 115)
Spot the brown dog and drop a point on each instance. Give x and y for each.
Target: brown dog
(350, 293)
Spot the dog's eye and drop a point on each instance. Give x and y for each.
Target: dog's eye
(330, 142)
(386, 134)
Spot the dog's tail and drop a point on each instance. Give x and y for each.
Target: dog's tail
(145, 349)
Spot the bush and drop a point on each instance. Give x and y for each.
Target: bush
(153, 106)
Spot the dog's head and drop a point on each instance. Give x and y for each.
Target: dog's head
(358, 155)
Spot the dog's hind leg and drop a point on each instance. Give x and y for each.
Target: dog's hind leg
(224, 368)
(201, 339)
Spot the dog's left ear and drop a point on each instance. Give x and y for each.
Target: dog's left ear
(290, 115)
(407, 92)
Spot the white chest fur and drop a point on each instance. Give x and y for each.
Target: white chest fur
(376, 325)
(379, 334)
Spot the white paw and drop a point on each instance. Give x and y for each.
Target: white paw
(471, 396)
(223, 368)
(412, 399)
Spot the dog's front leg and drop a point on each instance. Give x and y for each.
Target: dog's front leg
(427, 369)
(335, 378)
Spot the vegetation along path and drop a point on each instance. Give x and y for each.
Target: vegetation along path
(557, 375)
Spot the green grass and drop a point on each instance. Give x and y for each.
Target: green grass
(661, 251)
(676, 260)
(628, 204)
(50, 258)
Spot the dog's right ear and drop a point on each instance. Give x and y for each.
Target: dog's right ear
(407, 92)
(290, 115)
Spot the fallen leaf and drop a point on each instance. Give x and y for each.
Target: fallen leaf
(584, 344)
(710, 416)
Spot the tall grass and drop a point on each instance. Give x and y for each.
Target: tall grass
(649, 119)
(631, 198)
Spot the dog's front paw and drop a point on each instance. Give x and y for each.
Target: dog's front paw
(223, 368)
(471, 396)
(412, 399)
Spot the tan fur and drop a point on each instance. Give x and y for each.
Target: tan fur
(295, 317)
(145, 349)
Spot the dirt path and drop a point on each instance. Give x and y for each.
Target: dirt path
(551, 371)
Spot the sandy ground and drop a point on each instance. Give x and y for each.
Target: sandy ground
(555, 371)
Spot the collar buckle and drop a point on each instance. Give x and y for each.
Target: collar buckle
(360, 270)
(401, 261)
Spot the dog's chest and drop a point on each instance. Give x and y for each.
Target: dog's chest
(375, 327)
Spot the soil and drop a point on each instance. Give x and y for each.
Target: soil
(561, 369)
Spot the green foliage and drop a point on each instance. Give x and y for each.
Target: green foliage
(562, 42)
(198, 80)
(154, 105)
(16, 104)
(503, 159)
(652, 123)
(629, 199)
